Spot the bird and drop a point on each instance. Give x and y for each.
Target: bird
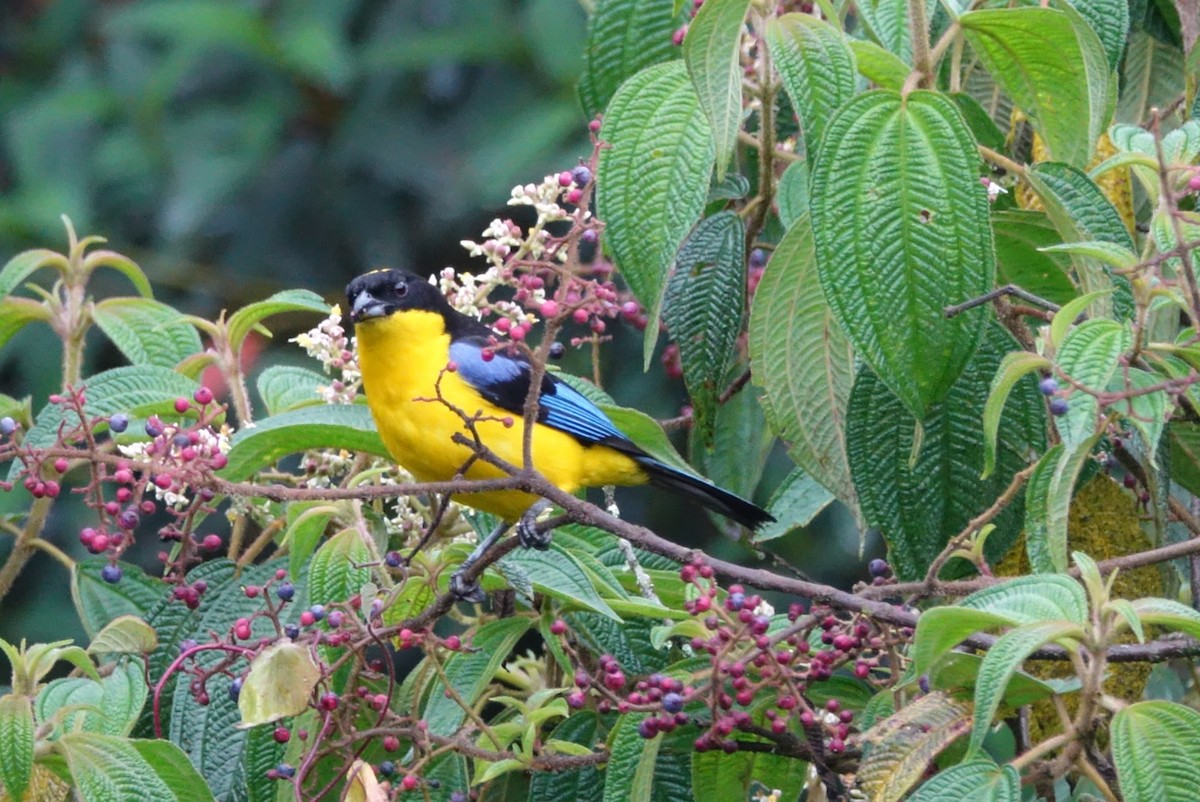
(426, 366)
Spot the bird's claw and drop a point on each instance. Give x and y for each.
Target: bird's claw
(464, 589)
(530, 536)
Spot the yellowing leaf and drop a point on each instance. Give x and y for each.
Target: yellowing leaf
(279, 684)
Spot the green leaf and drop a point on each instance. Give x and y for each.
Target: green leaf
(711, 52)
(1115, 255)
(629, 776)
(942, 628)
(110, 706)
(1020, 260)
(1110, 20)
(286, 387)
(881, 67)
(106, 768)
(920, 483)
(1125, 609)
(471, 672)
(16, 745)
(306, 524)
(1079, 210)
(1015, 366)
(905, 744)
(703, 308)
(1002, 661)
(1048, 503)
(1155, 748)
(137, 390)
(740, 447)
(99, 602)
(279, 684)
(978, 780)
(647, 434)
(1053, 66)
(817, 68)
(1146, 412)
(584, 785)
(1064, 318)
(120, 263)
(624, 37)
(796, 502)
(1150, 78)
(249, 316)
(983, 128)
(347, 426)
(24, 264)
(718, 775)
(902, 231)
(557, 574)
(803, 363)
(791, 194)
(147, 332)
(175, 770)
(340, 567)
(1185, 455)
(16, 313)
(1029, 599)
(959, 672)
(1090, 355)
(653, 179)
(1168, 613)
(126, 634)
(886, 21)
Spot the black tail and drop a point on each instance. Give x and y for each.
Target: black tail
(706, 493)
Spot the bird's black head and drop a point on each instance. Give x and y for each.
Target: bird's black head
(381, 293)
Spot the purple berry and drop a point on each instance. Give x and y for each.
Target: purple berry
(672, 702)
(581, 175)
(235, 689)
(291, 630)
(111, 574)
(7, 425)
(1058, 406)
(128, 519)
(286, 591)
(387, 768)
(589, 236)
(879, 567)
(318, 611)
(335, 618)
(393, 559)
(285, 771)
(181, 440)
(154, 427)
(1048, 385)
(557, 350)
(118, 423)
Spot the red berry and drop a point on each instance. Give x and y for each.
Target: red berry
(182, 405)
(548, 309)
(211, 542)
(241, 629)
(559, 627)
(453, 643)
(61, 465)
(282, 735)
(203, 396)
(409, 782)
(390, 743)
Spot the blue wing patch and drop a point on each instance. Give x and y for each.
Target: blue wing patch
(504, 380)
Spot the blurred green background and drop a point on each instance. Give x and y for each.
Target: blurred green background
(238, 147)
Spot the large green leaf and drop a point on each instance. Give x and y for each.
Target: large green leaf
(653, 179)
(559, 575)
(175, 770)
(246, 318)
(1151, 77)
(286, 387)
(1079, 210)
(798, 499)
(1054, 66)
(803, 362)
(583, 785)
(1048, 504)
(16, 313)
(887, 22)
(1110, 20)
(718, 775)
(105, 768)
(712, 51)
(738, 454)
(703, 307)
(346, 426)
(630, 773)
(16, 744)
(1020, 236)
(1156, 749)
(111, 706)
(146, 331)
(902, 231)
(24, 264)
(1002, 661)
(1015, 366)
(340, 567)
(977, 780)
(905, 744)
(470, 672)
(624, 37)
(881, 67)
(99, 602)
(1090, 355)
(817, 67)
(919, 483)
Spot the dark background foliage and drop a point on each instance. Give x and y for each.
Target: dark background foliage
(237, 148)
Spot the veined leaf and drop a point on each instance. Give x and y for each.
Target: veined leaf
(1036, 54)
(703, 308)
(881, 67)
(1089, 355)
(110, 706)
(1020, 259)
(287, 387)
(348, 426)
(559, 575)
(1151, 76)
(817, 68)
(1015, 366)
(340, 567)
(16, 744)
(580, 728)
(647, 434)
(1147, 412)
(803, 362)
(25, 264)
(471, 672)
(920, 484)
(717, 775)
(1081, 212)
(977, 780)
(146, 331)
(280, 682)
(1048, 504)
(1028, 599)
(106, 767)
(1168, 613)
(902, 231)
(653, 179)
(711, 51)
(1065, 317)
(630, 773)
(1110, 20)
(905, 744)
(791, 193)
(1155, 746)
(16, 313)
(624, 37)
(886, 21)
(174, 769)
(797, 501)
(1002, 661)
(940, 629)
(246, 318)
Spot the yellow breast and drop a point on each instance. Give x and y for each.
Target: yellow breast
(418, 407)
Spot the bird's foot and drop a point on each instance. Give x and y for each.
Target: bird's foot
(527, 528)
(464, 589)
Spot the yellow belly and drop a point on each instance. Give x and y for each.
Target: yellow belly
(401, 358)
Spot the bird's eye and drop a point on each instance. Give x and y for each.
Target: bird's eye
(401, 289)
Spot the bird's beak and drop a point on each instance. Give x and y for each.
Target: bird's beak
(367, 306)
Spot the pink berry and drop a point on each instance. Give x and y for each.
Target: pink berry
(61, 465)
(548, 309)
(203, 396)
(182, 405)
(211, 542)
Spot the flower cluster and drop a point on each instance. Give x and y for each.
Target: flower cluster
(329, 344)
